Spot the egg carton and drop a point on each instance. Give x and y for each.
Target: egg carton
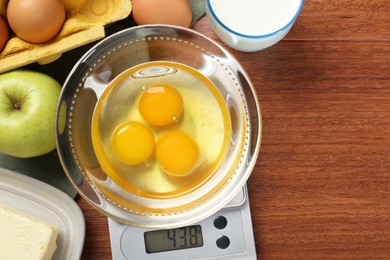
(85, 21)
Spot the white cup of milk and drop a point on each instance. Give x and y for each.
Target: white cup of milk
(252, 25)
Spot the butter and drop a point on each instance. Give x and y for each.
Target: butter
(23, 236)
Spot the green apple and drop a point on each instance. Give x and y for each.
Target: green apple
(28, 101)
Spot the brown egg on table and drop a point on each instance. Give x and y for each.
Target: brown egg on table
(4, 33)
(173, 12)
(36, 21)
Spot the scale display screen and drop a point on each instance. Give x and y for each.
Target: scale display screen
(173, 239)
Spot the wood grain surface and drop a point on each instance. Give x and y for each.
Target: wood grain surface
(321, 186)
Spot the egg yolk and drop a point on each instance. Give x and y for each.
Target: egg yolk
(160, 105)
(133, 142)
(177, 153)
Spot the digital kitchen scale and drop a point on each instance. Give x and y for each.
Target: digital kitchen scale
(228, 234)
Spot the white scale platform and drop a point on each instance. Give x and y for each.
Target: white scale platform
(228, 234)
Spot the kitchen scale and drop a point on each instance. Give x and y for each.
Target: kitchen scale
(227, 234)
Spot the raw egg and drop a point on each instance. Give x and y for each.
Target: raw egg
(4, 33)
(178, 106)
(36, 21)
(133, 142)
(177, 153)
(174, 12)
(160, 105)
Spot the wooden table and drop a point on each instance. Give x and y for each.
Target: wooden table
(321, 186)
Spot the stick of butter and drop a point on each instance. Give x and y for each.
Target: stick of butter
(23, 236)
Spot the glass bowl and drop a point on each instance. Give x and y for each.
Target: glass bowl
(103, 67)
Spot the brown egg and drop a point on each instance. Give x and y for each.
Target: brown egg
(174, 12)
(36, 21)
(4, 33)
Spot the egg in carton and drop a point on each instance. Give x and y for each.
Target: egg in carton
(84, 23)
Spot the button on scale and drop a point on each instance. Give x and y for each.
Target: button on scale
(220, 222)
